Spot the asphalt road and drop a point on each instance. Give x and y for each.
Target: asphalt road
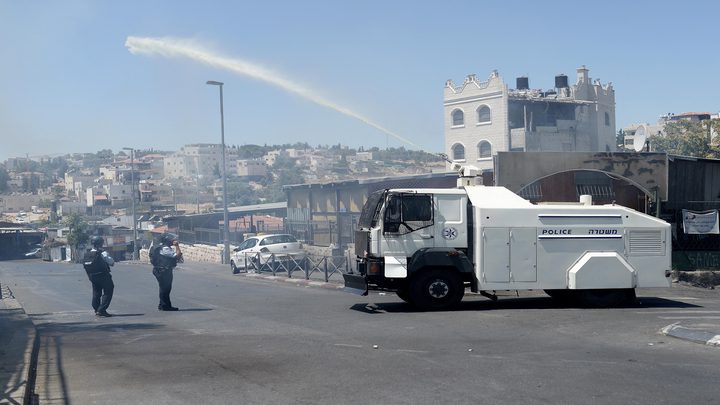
(244, 341)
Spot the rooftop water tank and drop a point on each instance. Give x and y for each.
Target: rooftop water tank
(561, 81)
(523, 83)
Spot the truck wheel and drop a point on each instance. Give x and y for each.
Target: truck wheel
(605, 298)
(436, 289)
(404, 295)
(233, 267)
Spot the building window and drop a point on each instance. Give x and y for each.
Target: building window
(483, 114)
(458, 152)
(607, 119)
(458, 118)
(484, 150)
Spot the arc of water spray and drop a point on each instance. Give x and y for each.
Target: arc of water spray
(176, 48)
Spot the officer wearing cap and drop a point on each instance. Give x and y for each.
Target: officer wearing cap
(166, 257)
(97, 264)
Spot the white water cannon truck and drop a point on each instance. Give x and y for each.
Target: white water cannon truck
(429, 245)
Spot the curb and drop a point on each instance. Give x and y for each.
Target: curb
(26, 377)
(296, 281)
(692, 335)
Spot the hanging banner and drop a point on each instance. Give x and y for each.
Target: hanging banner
(700, 223)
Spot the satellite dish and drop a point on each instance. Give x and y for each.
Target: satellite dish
(640, 138)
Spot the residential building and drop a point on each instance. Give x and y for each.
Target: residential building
(16, 202)
(659, 129)
(485, 117)
(71, 207)
(76, 183)
(251, 168)
(198, 160)
(109, 172)
(118, 192)
(272, 156)
(646, 129)
(688, 116)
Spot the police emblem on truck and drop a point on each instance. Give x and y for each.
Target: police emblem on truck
(449, 233)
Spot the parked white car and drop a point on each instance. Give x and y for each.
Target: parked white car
(261, 251)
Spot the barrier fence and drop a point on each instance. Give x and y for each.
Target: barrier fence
(306, 266)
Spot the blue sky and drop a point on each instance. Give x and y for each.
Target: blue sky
(71, 85)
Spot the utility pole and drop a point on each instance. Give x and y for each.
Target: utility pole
(226, 225)
(132, 188)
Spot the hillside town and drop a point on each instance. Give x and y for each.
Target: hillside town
(327, 202)
(130, 196)
(39, 192)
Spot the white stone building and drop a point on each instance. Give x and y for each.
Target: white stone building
(76, 183)
(198, 160)
(251, 168)
(482, 118)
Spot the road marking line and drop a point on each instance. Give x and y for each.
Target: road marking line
(412, 351)
(347, 345)
(482, 356)
(677, 312)
(689, 317)
(139, 338)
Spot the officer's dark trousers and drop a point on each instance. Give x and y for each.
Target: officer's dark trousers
(103, 288)
(164, 278)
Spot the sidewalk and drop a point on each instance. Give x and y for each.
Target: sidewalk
(330, 285)
(17, 340)
(706, 332)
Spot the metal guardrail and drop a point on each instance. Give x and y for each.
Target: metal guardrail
(327, 266)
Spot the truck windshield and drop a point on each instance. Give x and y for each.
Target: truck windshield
(369, 214)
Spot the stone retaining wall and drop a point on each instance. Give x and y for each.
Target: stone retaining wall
(194, 253)
(698, 278)
(213, 253)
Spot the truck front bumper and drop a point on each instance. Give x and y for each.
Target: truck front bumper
(356, 284)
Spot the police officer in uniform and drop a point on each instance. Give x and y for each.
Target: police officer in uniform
(167, 258)
(99, 275)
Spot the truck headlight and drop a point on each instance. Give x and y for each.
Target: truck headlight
(373, 269)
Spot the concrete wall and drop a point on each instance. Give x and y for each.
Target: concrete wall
(19, 201)
(648, 171)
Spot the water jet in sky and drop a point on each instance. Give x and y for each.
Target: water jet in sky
(177, 48)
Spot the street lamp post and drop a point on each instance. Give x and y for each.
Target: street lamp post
(132, 188)
(226, 232)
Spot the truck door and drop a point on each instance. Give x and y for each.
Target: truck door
(523, 254)
(496, 255)
(450, 224)
(509, 254)
(408, 224)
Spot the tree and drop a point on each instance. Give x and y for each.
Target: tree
(685, 138)
(78, 235)
(4, 177)
(240, 193)
(620, 140)
(30, 183)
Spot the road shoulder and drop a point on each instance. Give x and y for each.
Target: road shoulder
(18, 350)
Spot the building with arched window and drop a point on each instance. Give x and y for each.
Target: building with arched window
(458, 152)
(566, 118)
(484, 150)
(458, 118)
